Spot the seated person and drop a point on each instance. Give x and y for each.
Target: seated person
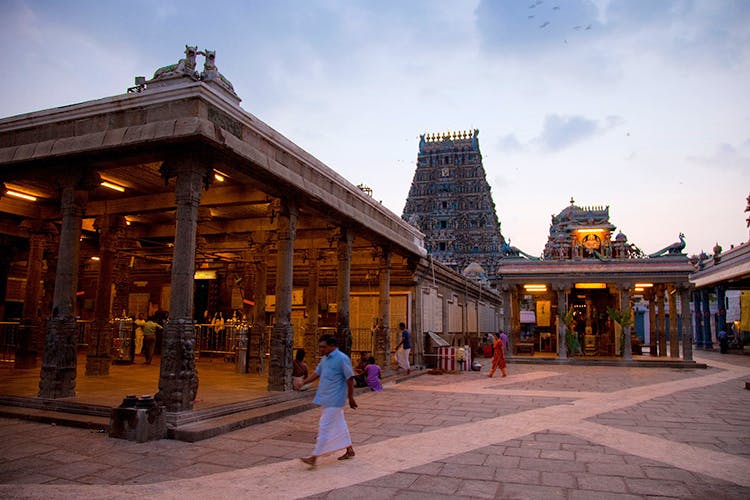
(359, 378)
(373, 375)
(299, 371)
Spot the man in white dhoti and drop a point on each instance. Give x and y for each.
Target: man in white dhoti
(403, 349)
(336, 386)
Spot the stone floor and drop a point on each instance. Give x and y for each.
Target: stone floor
(572, 432)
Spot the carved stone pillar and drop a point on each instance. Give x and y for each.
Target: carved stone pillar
(562, 309)
(707, 340)
(382, 352)
(258, 341)
(343, 288)
(627, 351)
(178, 379)
(282, 337)
(674, 338)
(699, 344)
(31, 323)
(687, 334)
(721, 308)
(506, 324)
(58, 374)
(312, 307)
(514, 336)
(661, 321)
(111, 229)
(122, 274)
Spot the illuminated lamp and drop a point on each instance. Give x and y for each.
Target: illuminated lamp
(220, 176)
(644, 285)
(112, 186)
(591, 286)
(590, 230)
(638, 289)
(535, 288)
(22, 196)
(95, 258)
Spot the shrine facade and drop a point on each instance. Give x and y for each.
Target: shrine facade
(582, 296)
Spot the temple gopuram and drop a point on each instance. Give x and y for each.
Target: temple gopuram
(592, 290)
(451, 203)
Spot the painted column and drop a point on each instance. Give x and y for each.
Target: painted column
(178, 379)
(344, 255)
(707, 340)
(687, 334)
(383, 328)
(562, 310)
(258, 341)
(661, 321)
(627, 348)
(98, 358)
(652, 334)
(312, 307)
(58, 374)
(31, 323)
(282, 335)
(699, 343)
(721, 308)
(674, 339)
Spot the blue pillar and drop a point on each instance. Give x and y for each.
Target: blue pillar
(707, 341)
(721, 307)
(698, 321)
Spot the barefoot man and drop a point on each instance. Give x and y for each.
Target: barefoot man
(336, 386)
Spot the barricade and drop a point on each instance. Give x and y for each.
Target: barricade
(446, 359)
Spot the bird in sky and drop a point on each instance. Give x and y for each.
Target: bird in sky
(544, 25)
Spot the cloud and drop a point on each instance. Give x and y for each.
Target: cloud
(561, 132)
(509, 144)
(726, 157)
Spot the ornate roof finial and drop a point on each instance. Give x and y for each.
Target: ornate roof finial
(572, 201)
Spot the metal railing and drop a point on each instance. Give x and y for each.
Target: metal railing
(9, 331)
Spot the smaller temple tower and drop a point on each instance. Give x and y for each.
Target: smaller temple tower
(451, 203)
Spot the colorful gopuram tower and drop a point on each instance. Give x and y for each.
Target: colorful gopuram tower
(451, 203)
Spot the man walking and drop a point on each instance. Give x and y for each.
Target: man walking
(336, 386)
(402, 355)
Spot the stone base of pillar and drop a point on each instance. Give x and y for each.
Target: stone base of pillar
(280, 368)
(178, 380)
(97, 365)
(256, 345)
(380, 346)
(58, 374)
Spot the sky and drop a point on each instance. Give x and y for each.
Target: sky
(641, 105)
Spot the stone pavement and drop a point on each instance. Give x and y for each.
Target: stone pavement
(573, 432)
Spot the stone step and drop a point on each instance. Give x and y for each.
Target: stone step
(214, 426)
(84, 421)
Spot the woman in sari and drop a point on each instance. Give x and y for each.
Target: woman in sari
(498, 359)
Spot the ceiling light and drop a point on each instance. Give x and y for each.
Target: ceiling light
(220, 176)
(22, 196)
(644, 285)
(591, 285)
(112, 186)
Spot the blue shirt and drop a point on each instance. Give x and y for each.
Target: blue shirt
(406, 338)
(334, 370)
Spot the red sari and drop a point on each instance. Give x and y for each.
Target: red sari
(498, 360)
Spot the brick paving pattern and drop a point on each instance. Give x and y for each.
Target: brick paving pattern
(572, 432)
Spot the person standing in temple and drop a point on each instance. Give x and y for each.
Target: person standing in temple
(299, 370)
(402, 355)
(336, 386)
(139, 322)
(498, 359)
(149, 338)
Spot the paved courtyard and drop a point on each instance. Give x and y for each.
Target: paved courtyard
(572, 432)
